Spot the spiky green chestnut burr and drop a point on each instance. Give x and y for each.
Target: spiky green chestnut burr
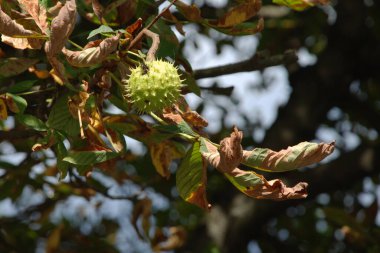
(152, 86)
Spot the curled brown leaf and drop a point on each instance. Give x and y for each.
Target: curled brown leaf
(277, 190)
(37, 11)
(98, 9)
(61, 28)
(92, 55)
(10, 28)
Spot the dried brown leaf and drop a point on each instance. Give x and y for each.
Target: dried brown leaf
(37, 11)
(143, 210)
(162, 154)
(177, 237)
(92, 55)
(10, 27)
(22, 43)
(277, 190)
(61, 28)
(98, 9)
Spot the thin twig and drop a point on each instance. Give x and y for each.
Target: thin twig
(259, 61)
(141, 34)
(151, 55)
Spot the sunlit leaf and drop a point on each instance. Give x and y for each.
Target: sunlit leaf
(93, 55)
(10, 28)
(301, 155)
(101, 29)
(227, 157)
(37, 11)
(61, 28)
(191, 178)
(300, 5)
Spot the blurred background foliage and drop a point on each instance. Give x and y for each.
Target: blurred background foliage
(332, 92)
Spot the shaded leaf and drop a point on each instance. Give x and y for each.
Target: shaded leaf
(98, 10)
(93, 55)
(61, 119)
(10, 28)
(300, 5)
(99, 30)
(14, 66)
(162, 155)
(37, 11)
(142, 210)
(21, 86)
(176, 238)
(32, 122)
(61, 165)
(191, 178)
(15, 103)
(88, 157)
(3, 110)
(301, 155)
(238, 14)
(247, 28)
(191, 12)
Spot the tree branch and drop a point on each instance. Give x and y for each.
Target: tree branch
(259, 61)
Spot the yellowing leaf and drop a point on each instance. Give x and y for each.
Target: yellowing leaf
(191, 12)
(191, 178)
(21, 43)
(238, 14)
(143, 210)
(301, 155)
(93, 55)
(300, 5)
(176, 238)
(227, 157)
(3, 110)
(162, 154)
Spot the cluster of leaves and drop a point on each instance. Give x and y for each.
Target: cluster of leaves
(59, 96)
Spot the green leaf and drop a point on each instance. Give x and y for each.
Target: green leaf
(247, 28)
(99, 30)
(14, 66)
(61, 154)
(61, 119)
(299, 5)
(191, 178)
(21, 86)
(32, 122)
(295, 157)
(88, 157)
(16, 103)
(246, 181)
